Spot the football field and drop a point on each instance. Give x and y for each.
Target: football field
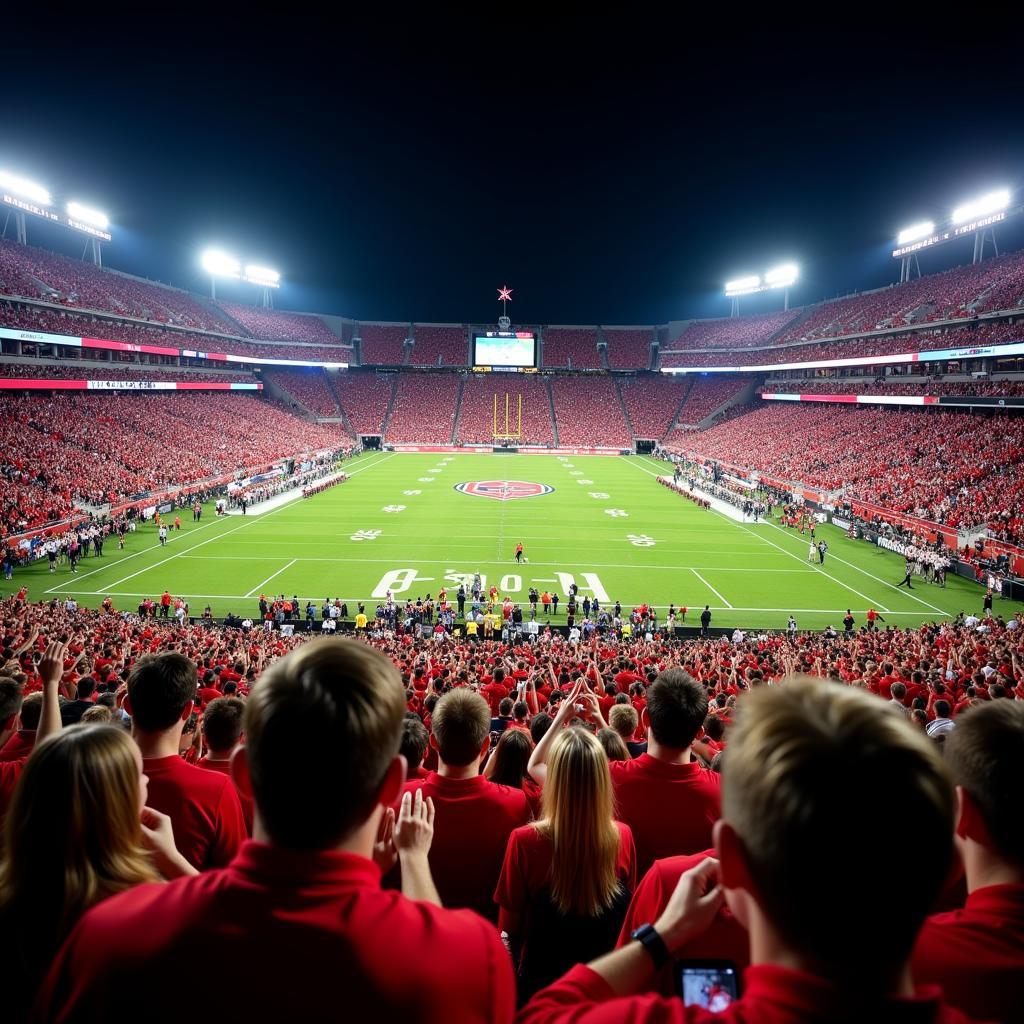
(412, 523)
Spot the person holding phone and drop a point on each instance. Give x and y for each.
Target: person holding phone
(829, 939)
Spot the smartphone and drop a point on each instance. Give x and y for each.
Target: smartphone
(712, 984)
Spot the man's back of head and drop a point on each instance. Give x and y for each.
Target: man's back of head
(676, 708)
(222, 723)
(331, 713)
(160, 687)
(819, 781)
(461, 723)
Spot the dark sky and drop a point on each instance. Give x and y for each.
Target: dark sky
(609, 172)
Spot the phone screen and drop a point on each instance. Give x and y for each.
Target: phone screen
(712, 984)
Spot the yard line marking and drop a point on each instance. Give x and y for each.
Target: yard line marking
(180, 537)
(711, 588)
(219, 536)
(260, 586)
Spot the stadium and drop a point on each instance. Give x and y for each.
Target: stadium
(666, 613)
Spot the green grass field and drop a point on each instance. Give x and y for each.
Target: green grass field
(400, 524)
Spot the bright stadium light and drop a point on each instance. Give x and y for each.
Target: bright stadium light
(263, 276)
(782, 277)
(219, 264)
(24, 188)
(915, 232)
(88, 215)
(743, 285)
(982, 206)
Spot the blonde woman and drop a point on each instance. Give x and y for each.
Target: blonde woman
(77, 831)
(567, 878)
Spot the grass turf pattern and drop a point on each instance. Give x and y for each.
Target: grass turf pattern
(399, 523)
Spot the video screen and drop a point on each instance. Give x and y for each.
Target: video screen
(501, 348)
(712, 986)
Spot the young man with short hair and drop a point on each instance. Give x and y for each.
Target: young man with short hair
(977, 954)
(299, 920)
(474, 815)
(222, 732)
(203, 806)
(665, 797)
(806, 752)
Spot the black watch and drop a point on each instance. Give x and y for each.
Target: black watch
(649, 938)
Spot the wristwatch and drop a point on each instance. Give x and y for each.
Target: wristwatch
(649, 938)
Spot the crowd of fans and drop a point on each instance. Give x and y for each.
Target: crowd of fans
(424, 408)
(515, 809)
(893, 386)
(587, 412)
(366, 398)
(107, 371)
(708, 395)
(652, 402)
(628, 349)
(56, 449)
(440, 346)
(959, 468)
(383, 345)
(736, 332)
(310, 387)
(276, 325)
(573, 348)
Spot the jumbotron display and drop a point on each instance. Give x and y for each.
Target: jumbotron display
(504, 348)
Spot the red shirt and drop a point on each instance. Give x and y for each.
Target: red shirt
(725, 939)
(224, 767)
(10, 772)
(977, 954)
(19, 746)
(203, 807)
(472, 822)
(527, 871)
(670, 808)
(301, 935)
(495, 694)
(770, 994)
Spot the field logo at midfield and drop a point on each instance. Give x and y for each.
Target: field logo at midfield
(503, 490)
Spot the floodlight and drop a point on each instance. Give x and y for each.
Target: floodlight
(981, 207)
(782, 277)
(262, 276)
(88, 215)
(220, 264)
(743, 285)
(915, 232)
(24, 187)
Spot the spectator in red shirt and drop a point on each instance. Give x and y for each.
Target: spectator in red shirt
(415, 740)
(805, 752)
(977, 954)
(222, 732)
(299, 914)
(668, 800)
(21, 741)
(507, 765)
(208, 823)
(567, 878)
(474, 816)
(72, 838)
(495, 691)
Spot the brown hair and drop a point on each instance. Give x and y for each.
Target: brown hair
(460, 724)
(624, 720)
(985, 754)
(71, 838)
(222, 722)
(819, 780)
(613, 745)
(510, 758)
(330, 711)
(676, 708)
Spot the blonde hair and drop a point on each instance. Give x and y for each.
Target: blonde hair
(819, 782)
(579, 821)
(72, 836)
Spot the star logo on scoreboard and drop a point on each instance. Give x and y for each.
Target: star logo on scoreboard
(503, 490)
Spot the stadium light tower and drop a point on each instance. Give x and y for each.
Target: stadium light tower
(265, 279)
(24, 196)
(88, 217)
(784, 277)
(219, 264)
(915, 233)
(982, 213)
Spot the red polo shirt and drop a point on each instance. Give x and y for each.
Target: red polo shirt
(224, 767)
(725, 938)
(977, 954)
(301, 935)
(669, 807)
(203, 807)
(19, 746)
(10, 772)
(472, 822)
(770, 994)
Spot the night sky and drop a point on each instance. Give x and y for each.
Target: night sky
(609, 173)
